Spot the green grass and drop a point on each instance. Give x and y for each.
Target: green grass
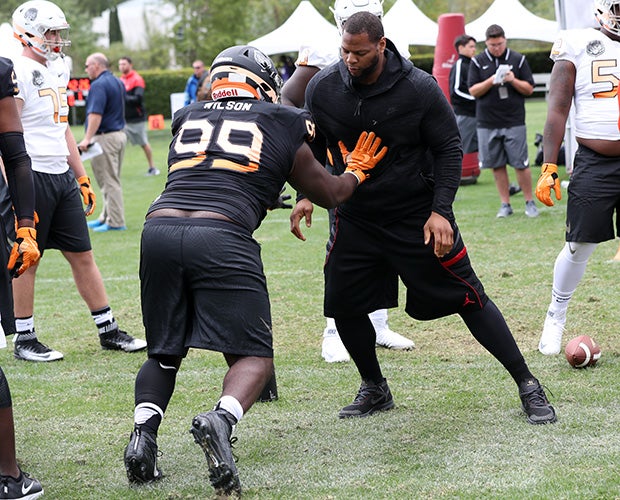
(457, 430)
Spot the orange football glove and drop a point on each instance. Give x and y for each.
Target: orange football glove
(548, 180)
(365, 156)
(88, 194)
(25, 251)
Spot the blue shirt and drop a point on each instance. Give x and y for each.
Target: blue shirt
(107, 98)
(191, 87)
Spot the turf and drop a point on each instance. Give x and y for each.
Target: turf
(457, 430)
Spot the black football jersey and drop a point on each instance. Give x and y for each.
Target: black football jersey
(232, 157)
(8, 82)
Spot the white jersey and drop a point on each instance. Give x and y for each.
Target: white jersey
(316, 56)
(43, 88)
(596, 58)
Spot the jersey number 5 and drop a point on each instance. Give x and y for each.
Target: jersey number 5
(247, 156)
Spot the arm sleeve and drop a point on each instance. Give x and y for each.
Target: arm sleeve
(136, 97)
(18, 173)
(440, 132)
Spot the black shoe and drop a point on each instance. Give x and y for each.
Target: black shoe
(514, 189)
(24, 487)
(370, 398)
(119, 340)
(212, 431)
(535, 403)
(141, 457)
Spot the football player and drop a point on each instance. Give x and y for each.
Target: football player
(42, 103)
(311, 59)
(229, 159)
(13, 482)
(587, 62)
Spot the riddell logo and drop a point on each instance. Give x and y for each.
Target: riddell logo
(218, 94)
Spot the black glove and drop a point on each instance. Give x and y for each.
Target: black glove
(281, 201)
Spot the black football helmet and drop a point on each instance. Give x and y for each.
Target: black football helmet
(244, 71)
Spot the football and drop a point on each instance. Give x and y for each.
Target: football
(582, 351)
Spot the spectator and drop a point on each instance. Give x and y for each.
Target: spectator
(105, 121)
(135, 111)
(401, 218)
(311, 60)
(191, 87)
(202, 224)
(463, 103)
(13, 482)
(499, 79)
(584, 62)
(56, 165)
(204, 87)
(286, 67)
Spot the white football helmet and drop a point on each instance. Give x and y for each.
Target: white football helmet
(31, 20)
(344, 9)
(607, 13)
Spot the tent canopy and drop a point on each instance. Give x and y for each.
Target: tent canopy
(305, 25)
(404, 22)
(517, 21)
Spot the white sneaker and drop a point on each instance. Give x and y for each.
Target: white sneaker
(551, 338)
(392, 340)
(333, 350)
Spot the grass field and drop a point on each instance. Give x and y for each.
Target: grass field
(457, 430)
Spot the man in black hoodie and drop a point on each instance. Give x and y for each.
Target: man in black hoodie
(463, 103)
(401, 219)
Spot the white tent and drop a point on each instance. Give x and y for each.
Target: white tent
(572, 14)
(134, 15)
(404, 22)
(9, 45)
(305, 25)
(517, 21)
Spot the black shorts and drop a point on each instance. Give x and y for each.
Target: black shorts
(593, 198)
(363, 258)
(62, 223)
(203, 285)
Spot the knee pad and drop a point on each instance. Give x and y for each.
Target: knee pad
(5, 393)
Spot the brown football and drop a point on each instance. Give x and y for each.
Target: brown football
(582, 351)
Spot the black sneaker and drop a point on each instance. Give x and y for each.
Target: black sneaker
(212, 431)
(33, 350)
(535, 403)
(24, 487)
(141, 458)
(119, 340)
(370, 398)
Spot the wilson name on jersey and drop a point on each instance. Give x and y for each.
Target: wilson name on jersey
(232, 157)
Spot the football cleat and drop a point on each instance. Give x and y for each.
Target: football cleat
(119, 340)
(141, 457)
(551, 338)
(33, 350)
(212, 432)
(332, 349)
(24, 487)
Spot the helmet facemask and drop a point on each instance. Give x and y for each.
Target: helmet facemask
(607, 13)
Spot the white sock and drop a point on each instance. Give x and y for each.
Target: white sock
(570, 266)
(232, 406)
(331, 324)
